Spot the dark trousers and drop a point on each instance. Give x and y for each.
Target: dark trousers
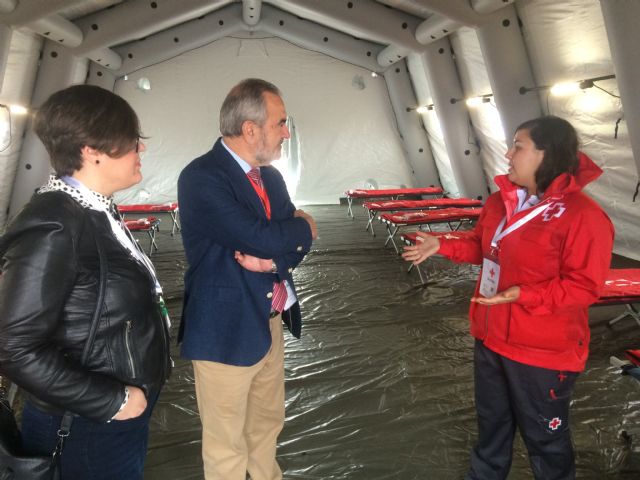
(93, 451)
(536, 400)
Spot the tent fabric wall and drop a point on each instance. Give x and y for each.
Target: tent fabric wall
(17, 87)
(567, 42)
(564, 40)
(358, 140)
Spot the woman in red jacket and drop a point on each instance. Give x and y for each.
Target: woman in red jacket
(545, 249)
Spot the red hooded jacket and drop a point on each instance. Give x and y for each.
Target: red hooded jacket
(559, 259)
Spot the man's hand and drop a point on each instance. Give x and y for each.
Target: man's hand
(426, 245)
(310, 220)
(509, 295)
(135, 406)
(254, 264)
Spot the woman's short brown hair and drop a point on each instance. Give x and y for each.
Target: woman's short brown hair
(559, 141)
(85, 115)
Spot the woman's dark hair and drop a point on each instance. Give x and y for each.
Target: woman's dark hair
(85, 115)
(559, 141)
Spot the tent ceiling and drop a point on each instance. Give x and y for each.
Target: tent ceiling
(92, 28)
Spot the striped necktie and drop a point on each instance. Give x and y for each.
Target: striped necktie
(254, 174)
(279, 296)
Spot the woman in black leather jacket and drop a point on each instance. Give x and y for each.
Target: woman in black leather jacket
(49, 286)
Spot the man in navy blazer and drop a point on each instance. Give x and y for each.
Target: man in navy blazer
(242, 237)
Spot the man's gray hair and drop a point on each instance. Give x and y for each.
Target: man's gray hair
(245, 102)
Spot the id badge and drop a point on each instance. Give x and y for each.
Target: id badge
(490, 278)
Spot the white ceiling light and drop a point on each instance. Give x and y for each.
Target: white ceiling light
(143, 84)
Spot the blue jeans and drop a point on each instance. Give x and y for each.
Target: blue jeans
(93, 451)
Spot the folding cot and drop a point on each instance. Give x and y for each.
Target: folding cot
(373, 208)
(410, 238)
(171, 208)
(622, 287)
(453, 217)
(389, 193)
(150, 225)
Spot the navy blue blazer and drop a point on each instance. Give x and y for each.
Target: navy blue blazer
(225, 315)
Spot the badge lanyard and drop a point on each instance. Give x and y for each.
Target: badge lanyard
(124, 237)
(490, 265)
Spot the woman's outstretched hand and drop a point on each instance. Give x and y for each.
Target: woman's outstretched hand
(426, 245)
(509, 295)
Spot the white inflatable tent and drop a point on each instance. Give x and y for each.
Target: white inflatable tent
(379, 91)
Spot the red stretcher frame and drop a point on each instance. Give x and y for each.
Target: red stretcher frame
(373, 208)
(453, 217)
(394, 193)
(150, 225)
(171, 208)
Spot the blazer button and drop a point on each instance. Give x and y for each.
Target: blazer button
(299, 249)
(289, 270)
(270, 294)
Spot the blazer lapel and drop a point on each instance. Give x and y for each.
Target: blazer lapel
(239, 180)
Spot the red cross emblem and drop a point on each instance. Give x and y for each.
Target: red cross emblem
(555, 210)
(492, 273)
(555, 423)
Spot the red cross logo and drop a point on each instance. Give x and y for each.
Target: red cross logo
(492, 273)
(555, 423)
(553, 211)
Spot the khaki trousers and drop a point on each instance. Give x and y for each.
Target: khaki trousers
(242, 413)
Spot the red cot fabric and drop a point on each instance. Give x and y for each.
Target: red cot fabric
(393, 192)
(420, 204)
(622, 282)
(141, 224)
(144, 208)
(442, 215)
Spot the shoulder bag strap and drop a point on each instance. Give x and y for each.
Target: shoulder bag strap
(67, 419)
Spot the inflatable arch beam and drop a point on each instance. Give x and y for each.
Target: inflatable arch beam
(5, 43)
(418, 150)
(59, 68)
(251, 11)
(508, 67)
(621, 19)
(466, 165)
(367, 20)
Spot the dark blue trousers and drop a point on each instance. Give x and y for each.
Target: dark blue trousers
(536, 400)
(93, 451)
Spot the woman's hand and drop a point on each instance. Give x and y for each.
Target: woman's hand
(253, 264)
(509, 295)
(135, 406)
(426, 245)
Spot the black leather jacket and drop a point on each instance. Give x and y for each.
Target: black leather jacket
(48, 291)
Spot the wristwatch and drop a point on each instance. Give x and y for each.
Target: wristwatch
(274, 267)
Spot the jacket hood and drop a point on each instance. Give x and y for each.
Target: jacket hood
(563, 184)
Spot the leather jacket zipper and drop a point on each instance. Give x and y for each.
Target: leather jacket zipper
(127, 344)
